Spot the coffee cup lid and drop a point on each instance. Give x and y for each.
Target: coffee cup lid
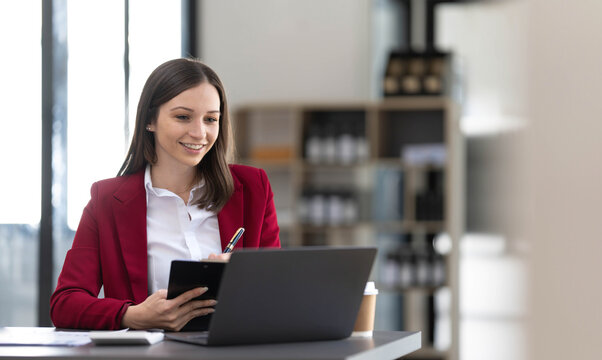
(370, 288)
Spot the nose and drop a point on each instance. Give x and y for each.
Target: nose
(197, 129)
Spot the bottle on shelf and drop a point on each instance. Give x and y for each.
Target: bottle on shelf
(314, 145)
(395, 69)
(421, 264)
(320, 207)
(411, 83)
(429, 203)
(346, 144)
(414, 263)
(335, 210)
(407, 271)
(410, 73)
(317, 209)
(362, 149)
(330, 143)
(350, 209)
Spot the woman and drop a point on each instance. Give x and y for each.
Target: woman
(175, 197)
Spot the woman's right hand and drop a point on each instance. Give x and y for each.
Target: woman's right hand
(156, 312)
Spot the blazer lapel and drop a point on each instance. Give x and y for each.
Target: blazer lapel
(230, 218)
(129, 209)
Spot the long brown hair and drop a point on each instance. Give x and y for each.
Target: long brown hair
(164, 83)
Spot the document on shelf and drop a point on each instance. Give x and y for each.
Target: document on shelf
(42, 336)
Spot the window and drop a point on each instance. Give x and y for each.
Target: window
(105, 74)
(96, 98)
(99, 130)
(20, 185)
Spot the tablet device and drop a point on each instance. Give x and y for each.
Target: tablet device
(185, 275)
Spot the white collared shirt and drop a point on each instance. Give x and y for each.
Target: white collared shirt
(176, 230)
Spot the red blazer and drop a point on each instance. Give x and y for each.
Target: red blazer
(109, 247)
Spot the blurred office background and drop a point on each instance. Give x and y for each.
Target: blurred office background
(526, 81)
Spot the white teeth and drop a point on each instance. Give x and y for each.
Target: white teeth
(193, 146)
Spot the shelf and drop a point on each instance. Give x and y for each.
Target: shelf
(393, 163)
(408, 225)
(415, 103)
(309, 228)
(407, 166)
(396, 162)
(424, 290)
(380, 226)
(276, 164)
(307, 166)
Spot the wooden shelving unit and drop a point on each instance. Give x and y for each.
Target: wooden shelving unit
(387, 173)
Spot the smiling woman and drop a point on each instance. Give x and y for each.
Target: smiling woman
(176, 197)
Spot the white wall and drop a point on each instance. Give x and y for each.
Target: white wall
(566, 178)
(288, 50)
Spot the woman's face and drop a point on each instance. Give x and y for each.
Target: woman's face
(187, 127)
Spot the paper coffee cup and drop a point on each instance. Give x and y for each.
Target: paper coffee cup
(364, 324)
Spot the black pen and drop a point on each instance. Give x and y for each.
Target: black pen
(234, 240)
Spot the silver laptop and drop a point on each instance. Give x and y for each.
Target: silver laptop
(287, 295)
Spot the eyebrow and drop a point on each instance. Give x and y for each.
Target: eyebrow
(191, 110)
(181, 108)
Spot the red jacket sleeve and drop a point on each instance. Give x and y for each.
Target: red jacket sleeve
(75, 302)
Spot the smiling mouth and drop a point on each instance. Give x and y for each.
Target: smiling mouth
(193, 146)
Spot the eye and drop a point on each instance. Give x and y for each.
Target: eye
(211, 119)
(183, 117)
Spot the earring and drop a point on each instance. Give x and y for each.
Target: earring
(148, 128)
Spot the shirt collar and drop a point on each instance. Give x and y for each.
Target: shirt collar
(148, 185)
